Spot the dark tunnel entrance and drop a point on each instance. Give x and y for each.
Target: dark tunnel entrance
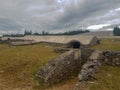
(74, 44)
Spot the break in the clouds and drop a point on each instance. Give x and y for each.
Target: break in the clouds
(57, 15)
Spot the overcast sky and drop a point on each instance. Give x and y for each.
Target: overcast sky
(58, 15)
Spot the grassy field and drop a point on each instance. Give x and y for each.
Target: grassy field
(108, 44)
(18, 65)
(108, 77)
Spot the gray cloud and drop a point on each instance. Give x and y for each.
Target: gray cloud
(7, 24)
(56, 15)
(88, 10)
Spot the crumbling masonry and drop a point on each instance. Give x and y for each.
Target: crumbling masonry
(84, 62)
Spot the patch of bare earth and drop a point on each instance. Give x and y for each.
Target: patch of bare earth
(66, 85)
(4, 85)
(69, 85)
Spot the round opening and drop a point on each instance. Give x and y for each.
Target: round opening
(74, 44)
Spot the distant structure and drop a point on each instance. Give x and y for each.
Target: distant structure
(66, 40)
(74, 41)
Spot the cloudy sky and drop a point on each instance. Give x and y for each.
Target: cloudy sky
(58, 15)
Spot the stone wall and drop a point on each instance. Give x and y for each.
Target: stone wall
(93, 63)
(84, 60)
(112, 58)
(64, 66)
(61, 68)
(89, 68)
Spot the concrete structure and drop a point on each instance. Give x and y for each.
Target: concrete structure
(86, 40)
(72, 41)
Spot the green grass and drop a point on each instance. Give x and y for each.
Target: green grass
(108, 44)
(19, 64)
(108, 78)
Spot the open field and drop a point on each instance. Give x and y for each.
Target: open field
(108, 44)
(18, 65)
(108, 78)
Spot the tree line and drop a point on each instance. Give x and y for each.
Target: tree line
(116, 31)
(29, 32)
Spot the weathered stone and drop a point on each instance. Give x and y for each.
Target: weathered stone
(112, 58)
(69, 63)
(89, 68)
(60, 68)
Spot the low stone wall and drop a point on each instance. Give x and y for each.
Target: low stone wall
(89, 68)
(85, 60)
(112, 58)
(64, 66)
(93, 63)
(61, 68)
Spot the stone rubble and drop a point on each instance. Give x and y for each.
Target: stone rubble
(61, 68)
(88, 70)
(112, 57)
(87, 61)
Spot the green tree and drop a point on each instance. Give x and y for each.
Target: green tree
(116, 31)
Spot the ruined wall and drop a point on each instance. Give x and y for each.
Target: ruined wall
(88, 70)
(84, 60)
(94, 41)
(62, 67)
(112, 58)
(93, 63)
